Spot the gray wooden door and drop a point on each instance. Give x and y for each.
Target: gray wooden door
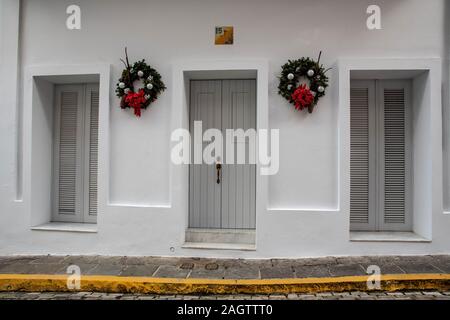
(229, 204)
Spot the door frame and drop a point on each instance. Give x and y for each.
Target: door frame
(182, 73)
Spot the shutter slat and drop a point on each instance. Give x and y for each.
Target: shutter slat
(68, 153)
(394, 156)
(93, 153)
(359, 158)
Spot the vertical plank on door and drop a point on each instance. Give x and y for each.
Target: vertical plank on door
(204, 192)
(228, 172)
(238, 189)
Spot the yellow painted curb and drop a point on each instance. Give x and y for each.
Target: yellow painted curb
(117, 284)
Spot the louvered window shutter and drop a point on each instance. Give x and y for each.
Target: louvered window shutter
(394, 152)
(380, 182)
(76, 153)
(67, 155)
(361, 101)
(92, 162)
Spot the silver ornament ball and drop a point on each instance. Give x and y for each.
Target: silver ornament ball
(140, 74)
(121, 85)
(321, 89)
(290, 76)
(149, 86)
(310, 73)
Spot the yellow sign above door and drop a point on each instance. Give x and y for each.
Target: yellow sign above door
(224, 35)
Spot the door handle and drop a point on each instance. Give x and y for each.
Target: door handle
(218, 168)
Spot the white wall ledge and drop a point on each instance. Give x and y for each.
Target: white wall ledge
(67, 227)
(303, 210)
(129, 205)
(386, 237)
(219, 246)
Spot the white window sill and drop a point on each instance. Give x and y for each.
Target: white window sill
(386, 237)
(67, 227)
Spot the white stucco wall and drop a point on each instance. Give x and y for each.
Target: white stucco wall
(141, 217)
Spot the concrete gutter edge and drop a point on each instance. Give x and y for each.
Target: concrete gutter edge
(146, 285)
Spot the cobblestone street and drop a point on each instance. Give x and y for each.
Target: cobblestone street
(413, 295)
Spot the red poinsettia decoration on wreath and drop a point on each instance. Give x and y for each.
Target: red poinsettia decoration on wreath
(136, 100)
(302, 97)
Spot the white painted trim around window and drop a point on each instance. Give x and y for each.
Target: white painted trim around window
(434, 189)
(62, 74)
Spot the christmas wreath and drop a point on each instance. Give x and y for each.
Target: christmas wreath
(302, 95)
(139, 98)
